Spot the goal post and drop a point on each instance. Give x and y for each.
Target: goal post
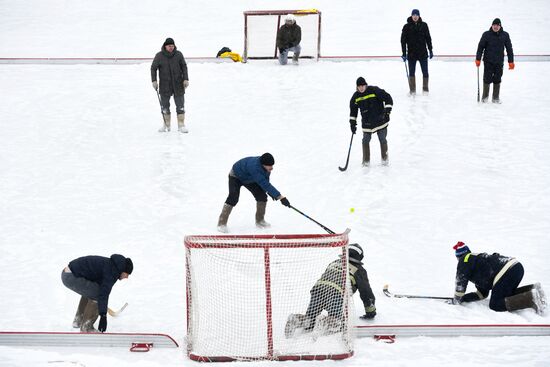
(260, 33)
(246, 293)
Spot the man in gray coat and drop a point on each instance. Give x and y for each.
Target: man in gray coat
(172, 71)
(289, 37)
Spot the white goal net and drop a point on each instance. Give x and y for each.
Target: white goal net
(268, 297)
(260, 33)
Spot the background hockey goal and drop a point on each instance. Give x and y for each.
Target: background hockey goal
(242, 289)
(260, 33)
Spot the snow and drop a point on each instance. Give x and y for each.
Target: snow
(84, 171)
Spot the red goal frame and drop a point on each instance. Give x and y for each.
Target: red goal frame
(271, 242)
(279, 13)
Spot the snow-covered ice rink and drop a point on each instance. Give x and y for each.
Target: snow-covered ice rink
(83, 170)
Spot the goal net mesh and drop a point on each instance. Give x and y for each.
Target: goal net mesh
(247, 297)
(261, 32)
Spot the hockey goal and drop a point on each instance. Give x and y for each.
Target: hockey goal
(260, 33)
(244, 293)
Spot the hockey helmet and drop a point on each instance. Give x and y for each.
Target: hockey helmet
(355, 253)
(290, 18)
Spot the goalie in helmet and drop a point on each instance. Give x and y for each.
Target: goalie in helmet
(327, 294)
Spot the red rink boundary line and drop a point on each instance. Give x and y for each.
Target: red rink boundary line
(377, 331)
(142, 60)
(68, 339)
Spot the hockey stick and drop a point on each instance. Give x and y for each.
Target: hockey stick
(116, 313)
(313, 220)
(406, 69)
(478, 84)
(390, 294)
(347, 159)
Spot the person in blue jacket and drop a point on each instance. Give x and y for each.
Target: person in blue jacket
(252, 173)
(93, 278)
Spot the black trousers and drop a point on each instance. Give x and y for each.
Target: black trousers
(423, 66)
(505, 287)
(324, 298)
(165, 103)
(235, 191)
(492, 73)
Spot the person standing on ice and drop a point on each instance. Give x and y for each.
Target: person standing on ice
(93, 278)
(252, 173)
(327, 294)
(172, 70)
(415, 37)
(289, 37)
(499, 275)
(491, 46)
(375, 105)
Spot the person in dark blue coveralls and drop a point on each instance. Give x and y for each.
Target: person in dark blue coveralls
(252, 173)
(93, 278)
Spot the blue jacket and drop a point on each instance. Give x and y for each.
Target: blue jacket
(250, 170)
(101, 270)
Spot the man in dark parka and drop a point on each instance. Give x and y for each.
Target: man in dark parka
(174, 79)
(415, 37)
(491, 46)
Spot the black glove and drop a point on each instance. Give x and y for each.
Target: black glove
(353, 126)
(404, 57)
(431, 54)
(387, 112)
(285, 202)
(102, 323)
(368, 315)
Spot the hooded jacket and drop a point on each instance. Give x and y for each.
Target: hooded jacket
(104, 271)
(172, 70)
(416, 37)
(492, 45)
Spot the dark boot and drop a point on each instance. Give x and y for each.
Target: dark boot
(384, 152)
(224, 216)
(485, 92)
(522, 301)
(412, 85)
(166, 125)
(77, 322)
(425, 85)
(260, 213)
(366, 155)
(90, 316)
(496, 93)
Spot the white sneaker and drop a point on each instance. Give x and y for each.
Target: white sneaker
(263, 224)
(183, 130)
(223, 229)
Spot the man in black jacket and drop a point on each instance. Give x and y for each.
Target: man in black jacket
(289, 37)
(327, 294)
(415, 37)
(172, 69)
(375, 105)
(93, 278)
(499, 275)
(491, 46)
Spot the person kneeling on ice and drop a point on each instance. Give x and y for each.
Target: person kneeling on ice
(252, 173)
(93, 278)
(496, 273)
(327, 294)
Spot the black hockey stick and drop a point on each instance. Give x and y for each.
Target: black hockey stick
(390, 294)
(478, 84)
(342, 169)
(313, 220)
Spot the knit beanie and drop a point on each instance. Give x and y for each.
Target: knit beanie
(169, 41)
(461, 249)
(267, 159)
(496, 21)
(361, 81)
(129, 266)
(415, 12)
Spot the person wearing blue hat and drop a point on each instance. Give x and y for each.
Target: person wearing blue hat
(500, 275)
(416, 45)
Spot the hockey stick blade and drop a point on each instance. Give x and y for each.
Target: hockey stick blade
(342, 169)
(116, 313)
(390, 294)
